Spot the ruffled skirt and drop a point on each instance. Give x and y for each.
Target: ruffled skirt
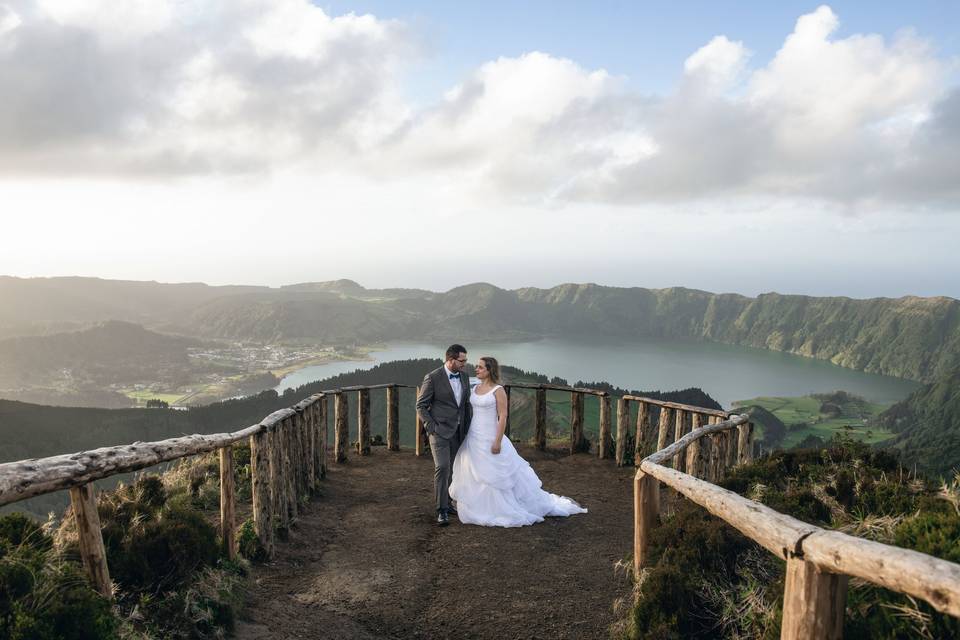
(501, 490)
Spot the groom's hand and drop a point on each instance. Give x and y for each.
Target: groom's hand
(495, 448)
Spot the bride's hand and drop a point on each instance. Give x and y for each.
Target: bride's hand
(495, 448)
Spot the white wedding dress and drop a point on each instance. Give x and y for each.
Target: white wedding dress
(499, 490)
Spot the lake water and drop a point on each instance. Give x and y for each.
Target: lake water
(725, 372)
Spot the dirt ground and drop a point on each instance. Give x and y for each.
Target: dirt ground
(366, 561)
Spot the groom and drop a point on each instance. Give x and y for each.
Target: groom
(443, 406)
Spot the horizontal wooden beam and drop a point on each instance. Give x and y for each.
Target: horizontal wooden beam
(558, 387)
(368, 387)
(28, 478)
(917, 574)
(778, 533)
(677, 405)
(680, 445)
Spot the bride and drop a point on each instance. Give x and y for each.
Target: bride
(492, 484)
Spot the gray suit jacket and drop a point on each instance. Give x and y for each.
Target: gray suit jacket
(437, 406)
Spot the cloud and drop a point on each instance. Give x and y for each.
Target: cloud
(151, 86)
(857, 122)
(251, 86)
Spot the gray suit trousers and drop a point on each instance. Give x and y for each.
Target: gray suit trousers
(444, 451)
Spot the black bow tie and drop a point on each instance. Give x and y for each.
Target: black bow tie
(454, 375)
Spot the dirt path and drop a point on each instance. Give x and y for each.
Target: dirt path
(366, 561)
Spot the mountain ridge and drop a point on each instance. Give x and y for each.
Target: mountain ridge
(911, 336)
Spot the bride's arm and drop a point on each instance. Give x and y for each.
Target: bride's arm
(502, 408)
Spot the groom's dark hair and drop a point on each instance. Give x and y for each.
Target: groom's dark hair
(454, 351)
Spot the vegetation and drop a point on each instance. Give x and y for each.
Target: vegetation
(103, 354)
(706, 580)
(164, 557)
(813, 420)
(911, 337)
(43, 594)
(927, 424)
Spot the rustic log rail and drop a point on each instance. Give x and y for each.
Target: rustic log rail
(819, 561)
(288, 458)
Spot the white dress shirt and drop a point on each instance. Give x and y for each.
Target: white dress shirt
(455, 385)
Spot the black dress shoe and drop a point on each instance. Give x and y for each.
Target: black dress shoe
(451, 511)
(442, 518)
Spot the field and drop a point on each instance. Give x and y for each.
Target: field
(803, 417)
(142, 395)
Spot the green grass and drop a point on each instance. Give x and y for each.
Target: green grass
(803, 418)
(142, 395)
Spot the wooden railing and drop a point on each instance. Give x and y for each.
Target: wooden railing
(288, 458)
(577, 442)
(819, 561)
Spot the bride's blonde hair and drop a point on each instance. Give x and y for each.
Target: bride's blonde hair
(493, 368)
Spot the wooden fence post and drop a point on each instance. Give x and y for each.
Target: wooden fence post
(393, 418)
(278, 508)
(731, 448)
(813, 602)
(90, 537)
(306, 451)
(646, 508)
(680, 429)
(363, 422)
(540, 421)
(692, 462)
(743, 435)
(296, 455)
(341, 434)
(418, 430)
(710, 457)
(310, 437)
(750, 435)
(692, 458)
(623, 429)
(323, 434)
(644, 433)
(290, 483)
(725, 440)
(576, 422)
(228, 505)
(260, 490)
(604, 440)
(663, 427)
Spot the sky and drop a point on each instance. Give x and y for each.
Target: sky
(727, 146)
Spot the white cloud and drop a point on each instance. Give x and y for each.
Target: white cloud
(163, 87)
(9, 20)
(167, 87)
(717, 63)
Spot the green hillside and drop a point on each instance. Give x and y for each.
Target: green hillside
(812, 421)
(911, 337)
(927, 424)
(104, 353)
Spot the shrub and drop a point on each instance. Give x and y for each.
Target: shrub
(42, 595)
(707, 581)
(248, 542)
(151, 545)
(17, 529)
